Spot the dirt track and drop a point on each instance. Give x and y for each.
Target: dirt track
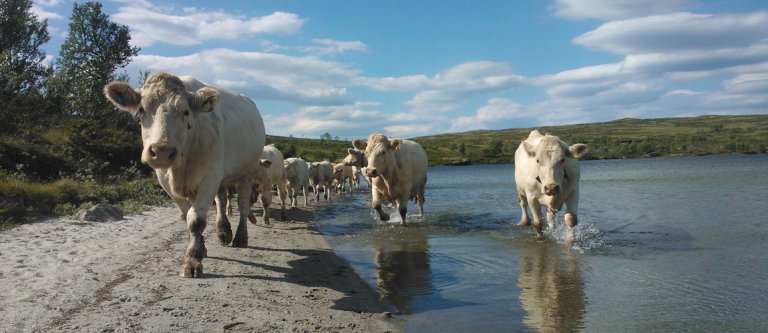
(66, 275)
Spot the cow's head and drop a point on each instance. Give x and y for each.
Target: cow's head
(167, 113)
(356, 157)
(379, 151)
(551, 156)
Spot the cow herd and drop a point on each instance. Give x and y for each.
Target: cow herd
(206, 142)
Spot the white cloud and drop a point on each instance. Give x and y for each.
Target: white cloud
(678, 32)
(332, 47)
(302, 80)
(408, 130)
(191, 26)
(40, 9)
(343, 121)
(615, 9)
(496, 111)
(748, 83)
(453, 87)
(402, 83)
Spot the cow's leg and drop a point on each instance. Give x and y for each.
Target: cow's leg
(304, 192)
(266, 201)
(223, 205)
(316, 188)
(376, 204)
(230, 193)
(254, 197)
(292, 194)
(551, 217)
(420, 202)
(524, 219)
(536, 212)
(402, 207)
(571, 219)
(244, 192)
(281, 189)
(192, 265)
(184, 207)
(327, 191)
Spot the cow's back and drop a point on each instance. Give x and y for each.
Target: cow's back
(325, 171)
(275, 174)
(525, 165)
(297, 171)
(413, 161)
(242, 128)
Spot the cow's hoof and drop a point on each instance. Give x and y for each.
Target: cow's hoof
(191, 269)
(525, 222)
(284, 216)
(266, 221)
(252, 218)
(224, 237)
(384, 216)
(240, 242)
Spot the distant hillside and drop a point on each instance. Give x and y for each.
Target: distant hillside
(312, 150)
(624, 138)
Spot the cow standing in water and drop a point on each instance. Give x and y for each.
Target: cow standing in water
(547, 173)
(397, 170)
(199, 139)
(357, 160)
(297, 172)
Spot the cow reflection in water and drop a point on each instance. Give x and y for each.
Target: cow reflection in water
(402, 269)
(551, 289)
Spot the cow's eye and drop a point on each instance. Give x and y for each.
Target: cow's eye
(186, 112)
(563, 160)
(141, 111)
(537, 161)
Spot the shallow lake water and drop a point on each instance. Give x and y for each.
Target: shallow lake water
(665, 244)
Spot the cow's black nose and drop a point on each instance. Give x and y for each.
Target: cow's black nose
(551, 189)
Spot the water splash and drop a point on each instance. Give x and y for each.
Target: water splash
(586, 236)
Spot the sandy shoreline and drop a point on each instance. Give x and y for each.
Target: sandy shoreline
(67, 275)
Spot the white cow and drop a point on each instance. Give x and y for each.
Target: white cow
(321, 174)
(357, 160)
(297, 171)
(341, 174)
(199, 139)
(398, 172)
(547, 173)
(268, 175)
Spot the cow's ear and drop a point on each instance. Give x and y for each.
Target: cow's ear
(529, 148)
(121, 95)
(265, 163)
(359, 144)
(204, 99)
(351, 151)
(577, 150)
(395, 144)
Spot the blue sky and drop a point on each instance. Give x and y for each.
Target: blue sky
(412, 68)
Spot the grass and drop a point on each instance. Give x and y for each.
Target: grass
(624, 138)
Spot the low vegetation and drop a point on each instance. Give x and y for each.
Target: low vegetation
(624, 138)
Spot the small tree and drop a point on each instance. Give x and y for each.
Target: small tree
(325, 137)
(94, 50)
(22, 70)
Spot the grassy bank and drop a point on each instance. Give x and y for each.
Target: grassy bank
(625, 138)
